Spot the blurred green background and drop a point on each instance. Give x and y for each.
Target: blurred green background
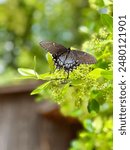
(24, 23)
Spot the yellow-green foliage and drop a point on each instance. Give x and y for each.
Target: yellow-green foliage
(86, 94)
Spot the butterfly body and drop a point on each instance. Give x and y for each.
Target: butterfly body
(66, 58)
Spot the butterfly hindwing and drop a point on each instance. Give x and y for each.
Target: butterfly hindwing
(83, 57)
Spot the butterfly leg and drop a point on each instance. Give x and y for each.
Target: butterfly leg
(68, 74)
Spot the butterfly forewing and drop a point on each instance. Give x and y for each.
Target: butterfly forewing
(53, 48)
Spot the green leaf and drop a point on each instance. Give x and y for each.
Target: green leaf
(40, 88)
(93, 105)
(50, 62)
(27, 72)
(107, 20)
(96, 73)
(65, 88)
(45, 76)
(107, 74)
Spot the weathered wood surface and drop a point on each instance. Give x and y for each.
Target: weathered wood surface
(23, 128)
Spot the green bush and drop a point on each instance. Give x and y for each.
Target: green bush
(86, 94)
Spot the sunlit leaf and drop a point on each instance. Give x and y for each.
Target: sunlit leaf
(50, 62)
(40, 88)
(96, 73)
(27, 72)
(107, 74)
(45, 76)
(98, 123)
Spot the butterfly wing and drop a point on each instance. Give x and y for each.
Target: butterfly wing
(66, 58)
(83, 57)
(53, 48)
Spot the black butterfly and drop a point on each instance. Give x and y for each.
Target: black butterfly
(66, 58)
